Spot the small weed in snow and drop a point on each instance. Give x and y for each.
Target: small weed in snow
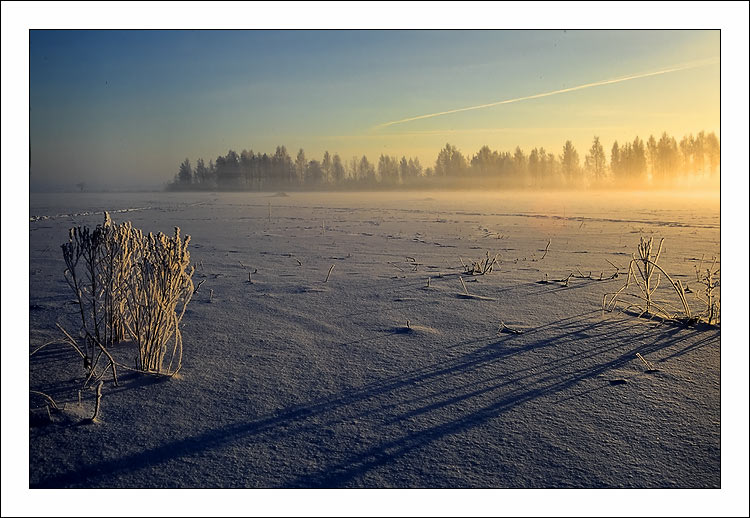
(645, 274)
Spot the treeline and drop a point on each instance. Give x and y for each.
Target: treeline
(652, 163)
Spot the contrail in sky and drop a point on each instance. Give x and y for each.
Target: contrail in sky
(547, 94)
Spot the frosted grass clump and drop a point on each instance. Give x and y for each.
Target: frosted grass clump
(129, 286)
(159, 288)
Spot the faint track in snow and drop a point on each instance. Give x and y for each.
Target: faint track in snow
(33, 219)
(663, 223)
(88, 213)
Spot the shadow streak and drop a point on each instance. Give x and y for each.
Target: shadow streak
(421, 391)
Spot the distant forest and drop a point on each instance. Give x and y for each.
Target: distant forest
(652, 163)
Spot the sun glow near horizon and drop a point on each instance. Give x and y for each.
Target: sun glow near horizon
(355, 93)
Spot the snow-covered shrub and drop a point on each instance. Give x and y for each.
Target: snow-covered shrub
(159, 288)
(128, 285)
(94, 261)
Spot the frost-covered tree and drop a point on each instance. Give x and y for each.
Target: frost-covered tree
(327, 166)
(403, 169)
(629, 163)
(687, 145)
(228, 170)
(415, 168)
(201, 172)
(388, 170)
(337, 170)
(485, 163)
(353, 169)
(614, 160)
(411, 170)
(667, 158)
(450, 162)
(300, 165)
(534, 167)
(549, 166)
(366, 171)
(570, 164)
(185, 174)
(652, 154)
(713, 151)
(283, 169)
(638, 160)
(699, 150)
(246, 165)
(596, 161)
(520, 163)
(314, 176)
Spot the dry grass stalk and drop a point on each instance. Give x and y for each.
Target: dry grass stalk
(98, 404)
(546, 249)
(482, 266)
(50, 343)
(466, 291)
(396, 266)
(50, 401)
(648, 262)
(617, 269)
(648, 364)
(709, 279)
(641, 274)
(329, 272)
(505, 329)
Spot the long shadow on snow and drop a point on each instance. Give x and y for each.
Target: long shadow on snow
(537, 384)
(618, 345)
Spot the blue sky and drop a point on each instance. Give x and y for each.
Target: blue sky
(123, 108)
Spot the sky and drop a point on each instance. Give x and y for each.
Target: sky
(122, 109)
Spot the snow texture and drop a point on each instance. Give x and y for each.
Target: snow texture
(379, 377)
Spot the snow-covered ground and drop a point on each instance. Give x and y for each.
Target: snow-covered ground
(392, 374)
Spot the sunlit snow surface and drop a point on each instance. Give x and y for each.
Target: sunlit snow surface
(374, 379)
